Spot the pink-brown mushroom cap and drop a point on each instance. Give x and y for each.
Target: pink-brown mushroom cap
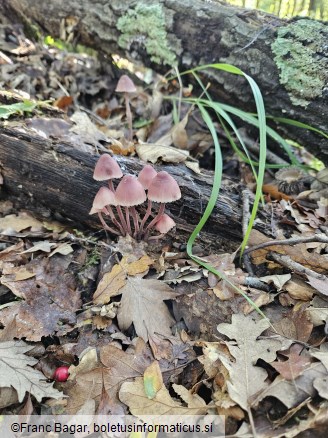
(125, 85)
(107, 168)
(165, 224)
(103, 197)
(146, 175)
(130, 192)
(163, 188)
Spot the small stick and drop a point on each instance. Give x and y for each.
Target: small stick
(316, 238)
(286, 261)
(245, 220)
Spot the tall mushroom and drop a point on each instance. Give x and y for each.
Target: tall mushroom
(130, 193)
(125, 85)
(163, 188)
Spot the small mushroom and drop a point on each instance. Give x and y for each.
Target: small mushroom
(146, 175)
(163, 188)
(291, 180)
(130, 193)
(125, 85)
(107, 168)
(165, 224)
(102, 204)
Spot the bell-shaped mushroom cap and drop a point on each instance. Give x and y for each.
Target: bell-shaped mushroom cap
(289, 174)
(107, 168)
(103, 197)
(146, 176)
(125, 85)
(163, 188)
(130, 192)
(165, 224)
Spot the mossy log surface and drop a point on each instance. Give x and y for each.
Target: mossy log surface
(54, 179)
(288, 59)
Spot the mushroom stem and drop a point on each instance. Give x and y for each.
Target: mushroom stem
(134, 215)
(128, 115)
(157, 217)
(119, 211)
(146, 216)
(105, 226)
(127, 218)
(115, 221)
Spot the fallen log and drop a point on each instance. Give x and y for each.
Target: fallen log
(287, 58)
(52, 178)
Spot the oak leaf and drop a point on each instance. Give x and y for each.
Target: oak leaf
(16, 370)
(247, 379)
(142, 304)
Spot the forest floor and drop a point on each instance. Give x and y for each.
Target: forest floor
(139, 327)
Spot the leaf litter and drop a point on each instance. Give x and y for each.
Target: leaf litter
(146, 331)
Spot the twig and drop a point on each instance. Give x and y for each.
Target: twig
(286, 261)
(316, 238)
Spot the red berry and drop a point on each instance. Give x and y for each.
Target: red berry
(61, 374)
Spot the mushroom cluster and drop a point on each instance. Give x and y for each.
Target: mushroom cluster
(119, 205)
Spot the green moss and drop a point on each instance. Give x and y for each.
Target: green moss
(301, 51)
(145, 24)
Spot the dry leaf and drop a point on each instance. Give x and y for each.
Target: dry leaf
(153, 152)
(278, 280)
(118, 367)
(298, 253)
(179, 133)
(294, 365)
(153, 380)
(298, 289)
(17, 370)
(134, 396)
(246, 379)
(112, 282)
(43, 245)
(110, 285)
(142, 304)
(51, 298)
(320, 285)
(293, 392)
(11, 224)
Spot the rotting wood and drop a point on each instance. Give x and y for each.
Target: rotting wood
(197, 32)
(54, 178)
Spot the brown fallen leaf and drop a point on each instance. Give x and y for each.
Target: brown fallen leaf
(134, 396)
(299, 289)
(16, 370)
(246, 379)
(298, 253)
(294, 365)
(112, 282)
(116, 367)
(51, 298)
(293, 392)
(142, 304)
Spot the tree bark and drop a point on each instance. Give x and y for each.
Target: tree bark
(288, 59)
(54, 179)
